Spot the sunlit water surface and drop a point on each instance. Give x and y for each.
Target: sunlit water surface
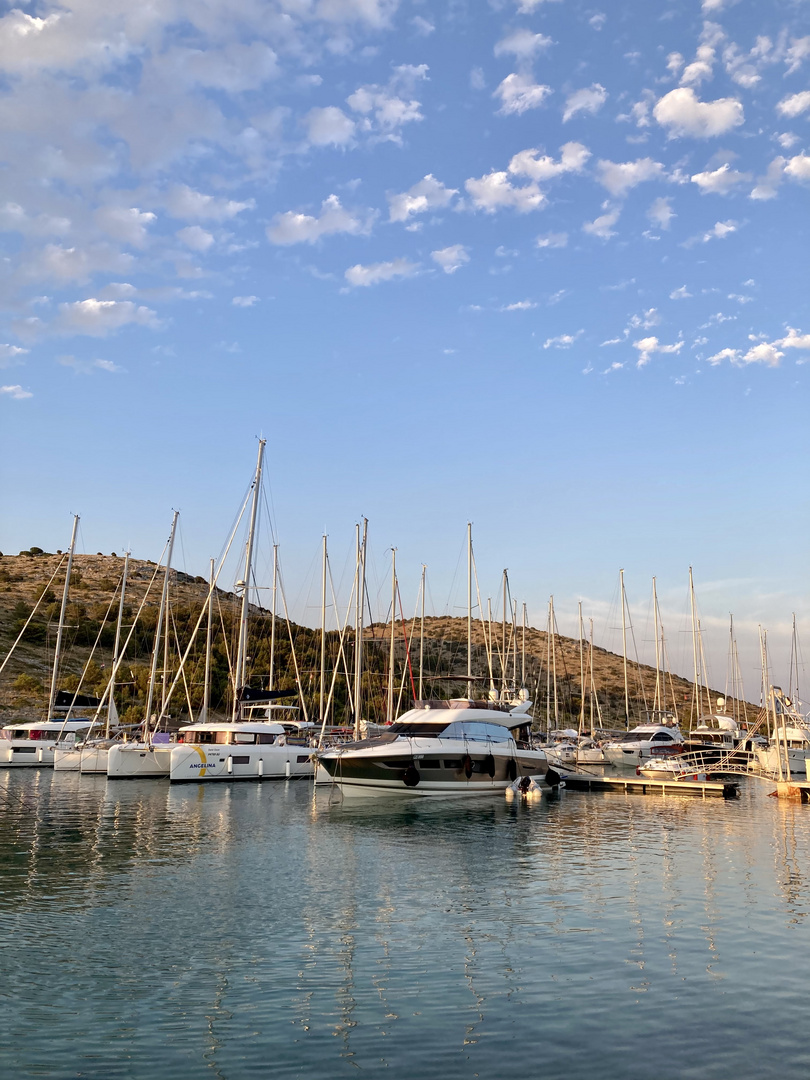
(263, 930)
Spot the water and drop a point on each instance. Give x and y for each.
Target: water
(256, 930)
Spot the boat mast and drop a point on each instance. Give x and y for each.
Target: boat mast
(553, 621)
(422, 634)
(657, 705)
(503, 642)
(158, 628)
(697, 693)
(209, 633)
(591, 687)
(548, 667)
(273, 618)
(241, 653)
(523, 650)
(581, 670)
(358, 648)
(469, 611)
(61, 629)
(514, 646)
(111, 702)
(323, 629)
(624, 654)
(389, 712)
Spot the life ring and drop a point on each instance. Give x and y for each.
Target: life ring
(511, 769)
(411, 777)
(467, 763)
(488, 765)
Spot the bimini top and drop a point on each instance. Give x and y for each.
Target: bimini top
(45, 725)
(434, 714)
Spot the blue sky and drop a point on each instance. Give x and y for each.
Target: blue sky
(538, 265)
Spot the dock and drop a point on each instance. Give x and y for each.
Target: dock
(641, 785)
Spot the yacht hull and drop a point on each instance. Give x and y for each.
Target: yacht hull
(67, 759)
(95, 759)
(138, 762)
(192, 762)
(31, 755)
(768, 758)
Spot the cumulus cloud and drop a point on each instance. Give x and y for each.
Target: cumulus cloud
(187, 204)
(648, 346)
(795, 339)
(661, 213)
(603, 225)
(552, 240)
(16, 392)
(523, 44)
(720, 181)
(244, 301)
(519, 305)
(295, 228)
(682, 113)
(680, 294)
(450, 258)
(518, 93)
(539, 167)
(769, 353)
(98, 318)
(768, 185)
(329, 127)
(10, 355)
(428, 194)
(129, 225)
(701, 67)
(87, 367)
(375, 273)
(589, 100)
(562, 341)
(495, 192)
(798, 168)
(797, 53)
(195, 237)
(384, 110)
(620, 178)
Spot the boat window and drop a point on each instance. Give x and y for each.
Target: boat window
(244, 737)
(415, 729)
(662, 736)
(476, 731)
(265, 738)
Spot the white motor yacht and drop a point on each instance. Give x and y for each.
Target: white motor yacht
(642, 743)
(457, 747)
(245, 750)
(35, 744)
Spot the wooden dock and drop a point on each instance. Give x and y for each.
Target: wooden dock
(641, 785)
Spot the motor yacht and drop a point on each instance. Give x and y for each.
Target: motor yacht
(790, 740)
(642, 743)
(456, 747)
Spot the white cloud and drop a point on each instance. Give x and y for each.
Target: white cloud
(523, 44)
(733, 355)
(451, 258)
(552, 240)
(620, 178)
(649, 345)
(10, 354)
(721, 181)
(598, 20)
(797, 52)
(763, 353)
(187, 204)
(244, 301)
(422, 26)
(518, 93)
(329, 127)
(129, 225)
(767, 185)
(573, 157)
(680, 294)
(603, 225)
(562, 341)
(682, 113)
(589, 100)
(795, 104)
(55, 262)
(720, 230)
(494, 192)
(428, 194)
(360, 275)
(700, 68)
(795, 340)
(798, 168)
(649, 319)
(87, 367)
(769, 353)
(385, 109)
(519, 305)
(294, 228)
(195, 237)
(16, 393)
(97, 318)
(661, 213)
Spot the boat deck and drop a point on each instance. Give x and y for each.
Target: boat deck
(642, 785)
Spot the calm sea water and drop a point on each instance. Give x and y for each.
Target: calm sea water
(258, 930)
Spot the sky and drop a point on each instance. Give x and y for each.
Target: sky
(536, 264)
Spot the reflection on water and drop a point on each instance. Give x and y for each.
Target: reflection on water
(246, 930)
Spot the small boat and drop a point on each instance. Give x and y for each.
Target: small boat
(638, 745)
(456, 747)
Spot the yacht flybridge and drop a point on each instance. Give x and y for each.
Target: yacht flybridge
(643, 742)
(457, 747)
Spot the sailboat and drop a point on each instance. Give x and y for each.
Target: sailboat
(34, 744)
(788, 751)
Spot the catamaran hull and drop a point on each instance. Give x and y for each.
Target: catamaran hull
(67, 760)
(33, 755)
(192, 763)
(95, 759)
(129, 762)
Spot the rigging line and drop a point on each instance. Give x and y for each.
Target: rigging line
(33, 613)
(185, 683)
(407, 644)
(292, 644)
(341, 653)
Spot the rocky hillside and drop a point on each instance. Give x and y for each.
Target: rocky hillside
(90, 630)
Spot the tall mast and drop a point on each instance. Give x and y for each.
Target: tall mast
(165, 684)
(61, 629)
(469, 611)
(323, 629)
(548, 667)
(111, 702)
(624, 655)
(657, 707)
(697, 693)
(581, 670)
(241, 653)
(273, 617)
(358, 652)
(514, 645)
(389, 713)
(209, 634)
(554, 662)
(158, 628)
(503, 642)
(523, 650)
(422, 634)
(591, 687)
